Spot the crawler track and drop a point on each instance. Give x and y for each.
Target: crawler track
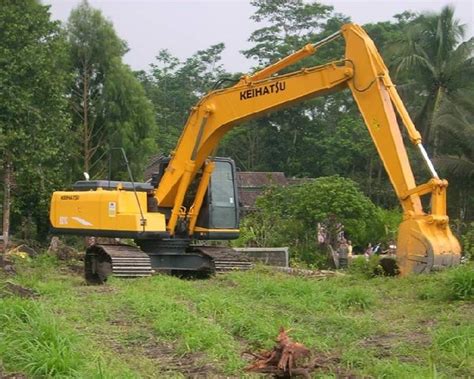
(225, 259)
(102, 261)
(121, 260)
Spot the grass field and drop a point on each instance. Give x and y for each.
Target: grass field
(163, 326)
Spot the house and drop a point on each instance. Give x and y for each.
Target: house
(252, 184)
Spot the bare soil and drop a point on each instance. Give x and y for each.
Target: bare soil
(189, 365)
(384, 344)
(12, 289)
(12, 376)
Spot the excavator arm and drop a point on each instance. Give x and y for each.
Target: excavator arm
(425, 241)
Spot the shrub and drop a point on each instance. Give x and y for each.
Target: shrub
(467, 240)
(366, 268)
(289, 216)
(460, 283)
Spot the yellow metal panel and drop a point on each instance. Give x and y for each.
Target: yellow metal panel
(221, 110)
(103, 210)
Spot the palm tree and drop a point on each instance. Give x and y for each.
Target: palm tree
(456, 154)
(456, 128)
(439, 64)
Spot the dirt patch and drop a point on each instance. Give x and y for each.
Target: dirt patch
(12, 289)
(6, 265)
(384, 344)
(428, 323)
(12, 376)
(83, 289)
(74, 268)
(190, 365)
(467, 309)
(141, 341)
(317, 274)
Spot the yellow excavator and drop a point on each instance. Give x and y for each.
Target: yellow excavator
(193, 195)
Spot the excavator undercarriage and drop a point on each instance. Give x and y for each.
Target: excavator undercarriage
(165, 256)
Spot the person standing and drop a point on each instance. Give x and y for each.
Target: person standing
(349, 249)
(368, 252)
(343, 253)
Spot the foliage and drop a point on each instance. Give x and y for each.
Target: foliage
(110, 108)
(174, 86)
(34, 124)
(287, 24)
(433, 48)
(366, 268)
(467, 242)
(289, 216)
(391, 219)
(460, 283)
(434, 61)
(456, 153)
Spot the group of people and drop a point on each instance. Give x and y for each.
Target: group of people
(331, 235)
(377, 250)
(344, 253)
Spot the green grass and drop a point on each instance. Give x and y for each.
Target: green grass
(420, 326)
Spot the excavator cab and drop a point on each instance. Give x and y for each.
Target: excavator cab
(218, 217)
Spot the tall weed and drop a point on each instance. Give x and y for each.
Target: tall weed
(32, 340)
(460, 283)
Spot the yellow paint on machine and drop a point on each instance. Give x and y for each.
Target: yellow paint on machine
(103, 210)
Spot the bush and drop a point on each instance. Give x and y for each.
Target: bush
(366, 268)
(467, 241)
(289, 217)
(460, 283)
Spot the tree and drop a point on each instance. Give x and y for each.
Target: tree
(34, 143)
(289, 26)
(433, 53)
(110, 108)
(456, 155)
(277, 140)
(435, 65)
(175, 86)
(289, 216)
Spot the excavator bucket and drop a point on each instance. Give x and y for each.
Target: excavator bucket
(424, 246)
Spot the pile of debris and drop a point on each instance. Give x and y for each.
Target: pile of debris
(6, 265)
(289, 359)
(307, 272)
(63, 251)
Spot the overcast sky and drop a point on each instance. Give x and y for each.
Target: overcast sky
(185, 26)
